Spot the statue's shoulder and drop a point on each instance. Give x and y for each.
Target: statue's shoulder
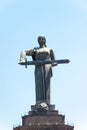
(35, 48)
(49, 49)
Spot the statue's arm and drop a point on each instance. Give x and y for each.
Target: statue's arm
(25, 53)
(29, 52)
(52, 57)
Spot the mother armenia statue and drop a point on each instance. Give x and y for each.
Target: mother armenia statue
(43, 72)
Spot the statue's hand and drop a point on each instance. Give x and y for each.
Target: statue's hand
(54, 64)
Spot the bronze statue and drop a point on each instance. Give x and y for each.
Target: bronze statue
(43, 72)
(43, 59)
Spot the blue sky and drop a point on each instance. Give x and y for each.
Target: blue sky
(64, 23)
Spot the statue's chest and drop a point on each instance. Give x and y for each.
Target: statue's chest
(42, 54)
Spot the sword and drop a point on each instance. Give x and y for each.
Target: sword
(41, 62)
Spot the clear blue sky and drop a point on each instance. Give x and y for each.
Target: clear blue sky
(64, 23)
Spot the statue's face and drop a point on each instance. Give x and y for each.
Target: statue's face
(41, 41)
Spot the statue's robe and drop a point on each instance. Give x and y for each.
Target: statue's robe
(43, 73)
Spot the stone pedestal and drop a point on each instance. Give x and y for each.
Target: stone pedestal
(43, 119)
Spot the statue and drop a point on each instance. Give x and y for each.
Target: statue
(43, 59)
(43, 73)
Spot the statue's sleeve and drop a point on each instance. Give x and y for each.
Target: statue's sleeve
(29, 52)
(52, 55)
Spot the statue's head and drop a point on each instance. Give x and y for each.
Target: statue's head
(42, 40)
